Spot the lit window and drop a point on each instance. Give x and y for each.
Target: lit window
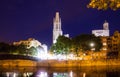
(104, 44)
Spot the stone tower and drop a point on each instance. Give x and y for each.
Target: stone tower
(106, 28)
(106, 25)
(57, 31)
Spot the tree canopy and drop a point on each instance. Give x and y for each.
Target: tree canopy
(17, 49)
(62, 45)
(80, 43)
(104, 4)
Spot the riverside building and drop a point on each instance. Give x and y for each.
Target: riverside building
(103, 34)
(31, 42)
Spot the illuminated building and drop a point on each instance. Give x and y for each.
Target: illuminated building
(31, 42)
(57, 30)
(102, 32)
(104, 43)
(114, 42)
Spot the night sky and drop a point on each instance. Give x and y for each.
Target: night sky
(23, 19)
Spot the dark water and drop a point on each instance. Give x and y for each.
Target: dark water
(108, 71)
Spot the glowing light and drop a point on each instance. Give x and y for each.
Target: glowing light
(104, 44)
(11, 74)
(14, 75)
(40, 52)
(71, 74)
(42, 74)
(61, 75)
(71, 56)
(92, 44)
(27, 74)
(84, 74)
(61, 57)
(7, 74)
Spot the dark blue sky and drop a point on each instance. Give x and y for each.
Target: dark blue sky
(22, 19)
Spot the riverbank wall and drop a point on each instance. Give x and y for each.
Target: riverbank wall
(59, 63)
(16, 63)
(78, 63)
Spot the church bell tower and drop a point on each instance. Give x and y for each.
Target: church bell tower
(57, 31)
(106, 25)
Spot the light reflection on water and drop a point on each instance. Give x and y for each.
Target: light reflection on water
(60, 72)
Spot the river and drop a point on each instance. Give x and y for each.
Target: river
(90, 71)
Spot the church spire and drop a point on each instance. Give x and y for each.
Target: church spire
(57, 31)
(57, 22)
(57, 17)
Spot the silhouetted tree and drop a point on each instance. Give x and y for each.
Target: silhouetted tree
(22, 49)
(82, 43)
(4, 47)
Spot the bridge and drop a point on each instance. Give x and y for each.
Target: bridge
(15, 57)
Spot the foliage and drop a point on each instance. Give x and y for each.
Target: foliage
(62, 46)
(82, 42)
(4, 47)
(22, 49)
(104, 4)
(77, 44)
(32, 51)
(19, 49)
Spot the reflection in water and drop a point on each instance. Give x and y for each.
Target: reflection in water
(15, 74)
(11, 74)
(27, 74)
(42, 74)
(71, 74)
(84, 74)
(60, 75)
(60, 72)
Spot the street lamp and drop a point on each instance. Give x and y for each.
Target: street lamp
(92, 46)
(92, 49)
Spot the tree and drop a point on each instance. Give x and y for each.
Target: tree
(62, 46)
(32, 51)
(13, 49)
(82, 43)
(104, 4)
(22, 49)
(4, 47)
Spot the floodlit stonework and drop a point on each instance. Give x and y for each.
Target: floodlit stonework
(31, 42)
(102, 32)
(57, 29)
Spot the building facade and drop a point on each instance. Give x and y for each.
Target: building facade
(102, 32)
(31, 42)
(114, 42)
(57, 31)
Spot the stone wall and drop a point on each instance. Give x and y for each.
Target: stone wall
(17, 63)
(61, 63)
